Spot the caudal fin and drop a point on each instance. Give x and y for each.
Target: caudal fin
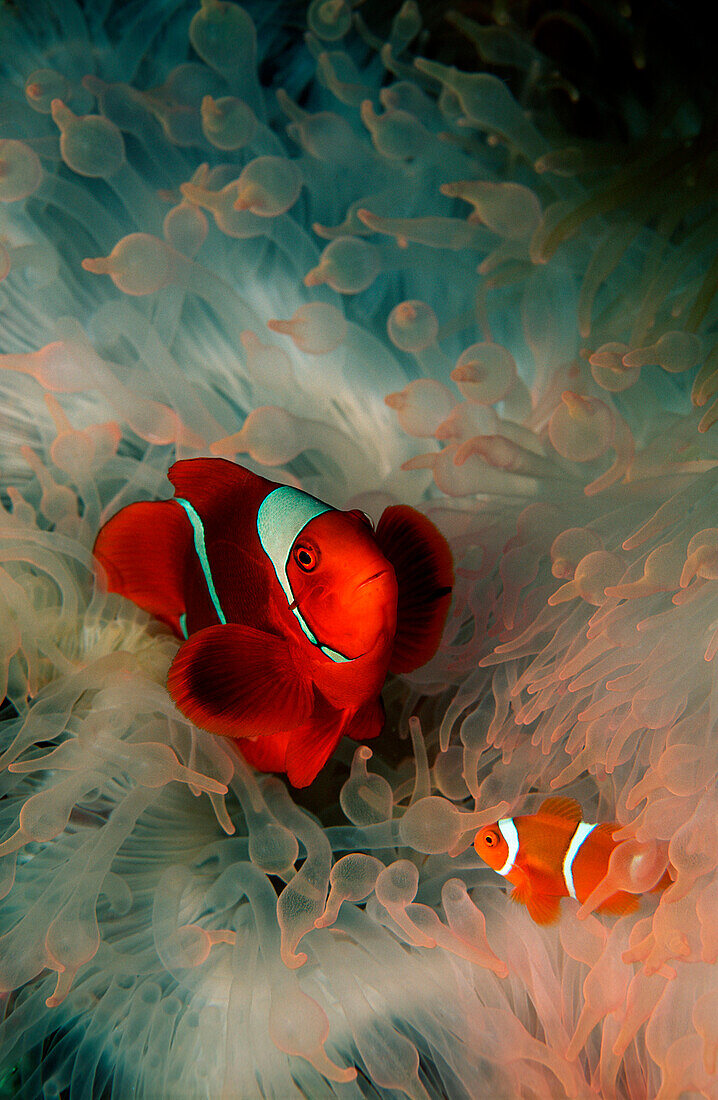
(142, 550)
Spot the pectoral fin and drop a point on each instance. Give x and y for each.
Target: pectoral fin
(543, 908)
(239, 682)
(424, 572)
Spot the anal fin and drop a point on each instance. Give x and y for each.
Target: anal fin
(304, 751)
(310, 747)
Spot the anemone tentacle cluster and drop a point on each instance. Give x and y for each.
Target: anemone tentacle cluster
(363, 270)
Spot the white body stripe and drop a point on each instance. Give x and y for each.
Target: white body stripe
(201, 551)
(582, 831)
(510, 834)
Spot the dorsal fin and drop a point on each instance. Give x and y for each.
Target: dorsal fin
(561, 807)
(209, 484)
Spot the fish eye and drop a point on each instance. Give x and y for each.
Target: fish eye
(305, 557)
(490, 839)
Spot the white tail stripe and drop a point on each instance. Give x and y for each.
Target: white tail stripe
(511, 836)
(582, 831)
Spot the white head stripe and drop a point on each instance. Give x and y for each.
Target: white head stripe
(282, 515)
(334, 655)
(509, 833)
(582, 831)
(305, 627)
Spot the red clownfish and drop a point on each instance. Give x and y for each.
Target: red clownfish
(552, 855)
(293, 611)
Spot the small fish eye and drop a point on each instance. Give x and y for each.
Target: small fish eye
(305, 558)
(490, 839)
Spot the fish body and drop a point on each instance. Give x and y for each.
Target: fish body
(554, 854)
(292, 611)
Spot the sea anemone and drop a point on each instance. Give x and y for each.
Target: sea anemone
(378, 262)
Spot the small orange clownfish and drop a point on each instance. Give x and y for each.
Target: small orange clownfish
(292, 610)
(552, 855)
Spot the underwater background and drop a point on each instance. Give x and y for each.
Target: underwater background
(459, 256)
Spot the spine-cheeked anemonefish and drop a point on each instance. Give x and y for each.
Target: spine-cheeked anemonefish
(292, 611)
(554, 854)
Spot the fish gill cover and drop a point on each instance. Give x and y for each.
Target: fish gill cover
(462, 260)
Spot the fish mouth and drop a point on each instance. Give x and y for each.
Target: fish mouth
(373, 577)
